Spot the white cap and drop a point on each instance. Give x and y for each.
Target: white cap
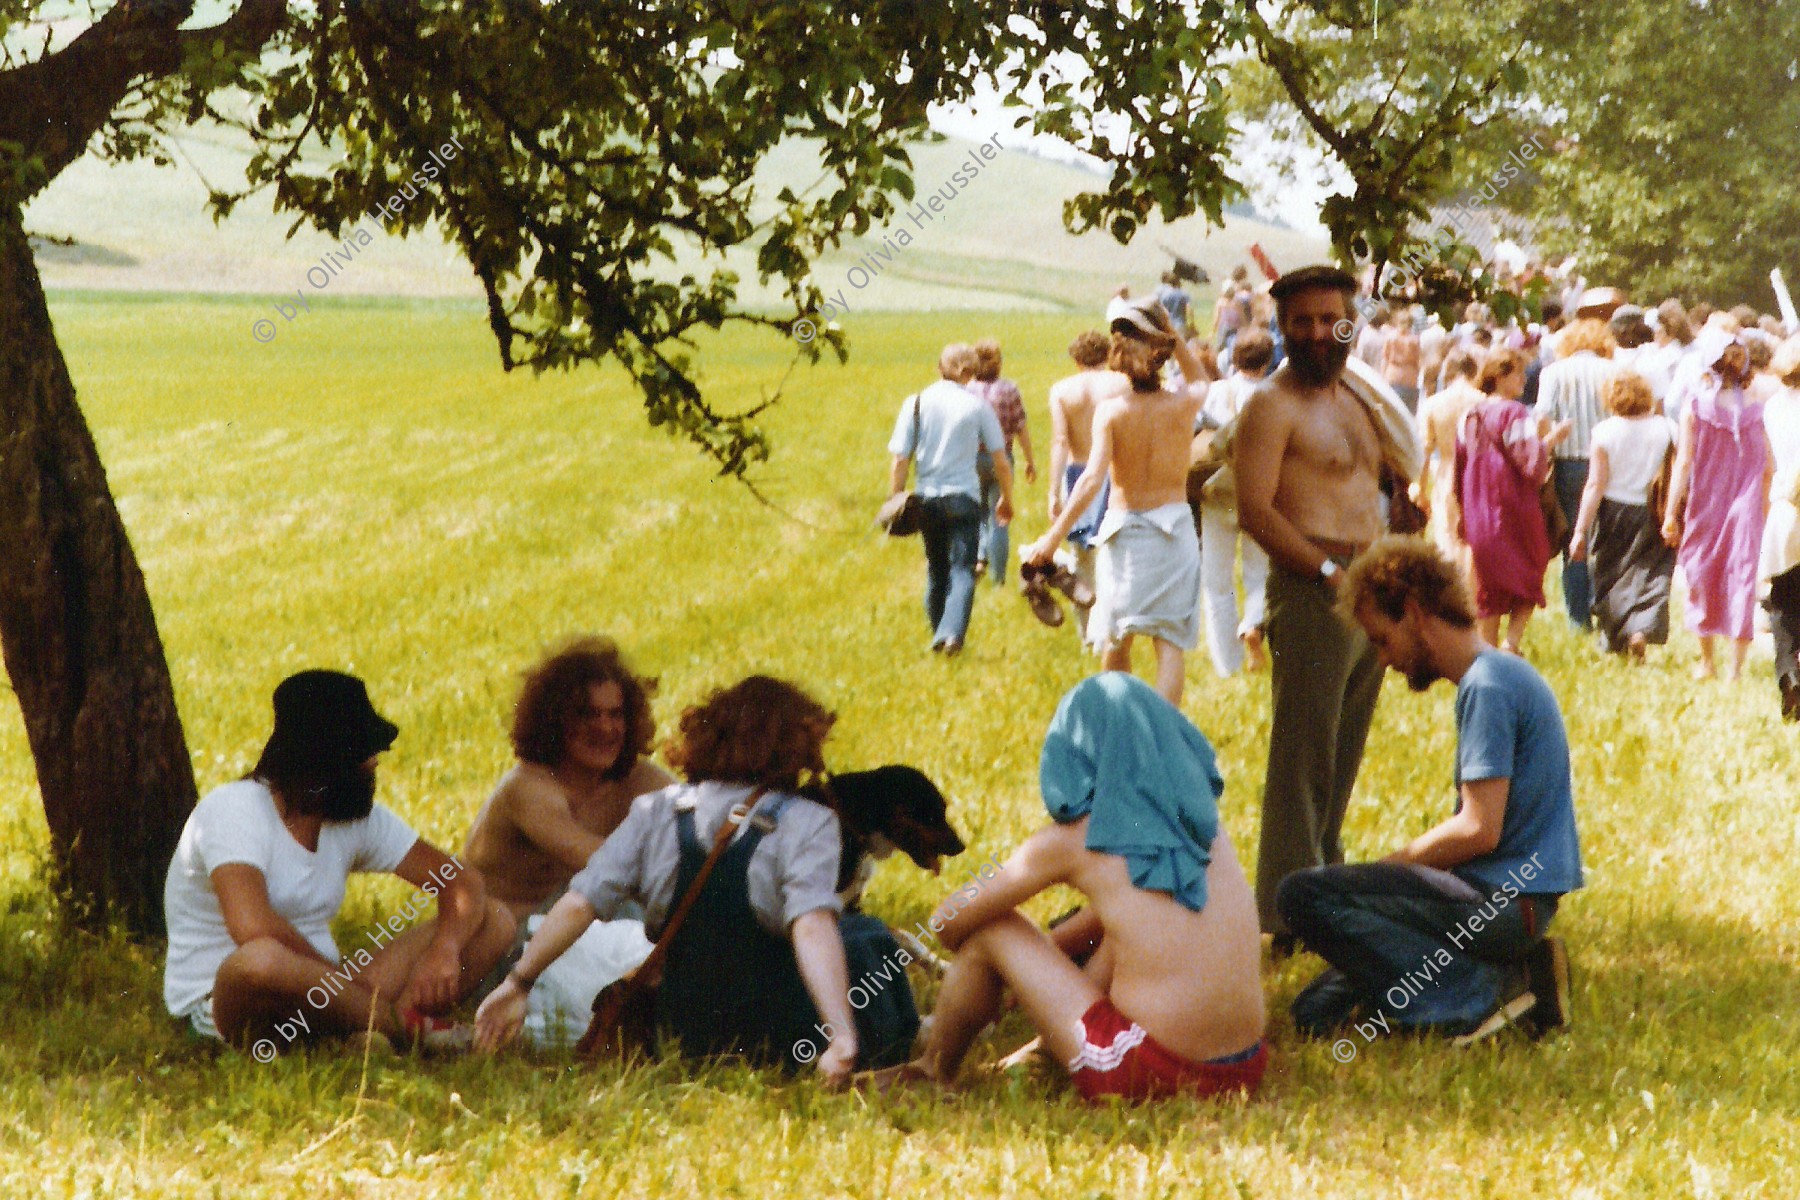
(1133, 313)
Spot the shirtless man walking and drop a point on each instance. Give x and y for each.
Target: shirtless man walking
(1400, 357)
(1149, 569)
(1307, 461)
(1171, 1002)
(1073, 400)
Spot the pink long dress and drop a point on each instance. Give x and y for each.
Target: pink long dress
(1500, 464)
(1722, 534)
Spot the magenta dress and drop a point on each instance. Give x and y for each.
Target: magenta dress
(1721, 538)
(1500, 465)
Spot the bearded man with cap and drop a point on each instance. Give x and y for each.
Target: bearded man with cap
(259, 875)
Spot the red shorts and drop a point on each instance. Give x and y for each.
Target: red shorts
(1118, 1058)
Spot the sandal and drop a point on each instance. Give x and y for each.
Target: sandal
(1034, 585)
(1069, 584)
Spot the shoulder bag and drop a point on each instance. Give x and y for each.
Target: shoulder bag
(903, 513)
(624, 1011)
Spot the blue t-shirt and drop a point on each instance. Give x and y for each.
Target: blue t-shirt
(954, 423)
(1508, 727)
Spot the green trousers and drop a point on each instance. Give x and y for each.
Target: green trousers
(1324, 682)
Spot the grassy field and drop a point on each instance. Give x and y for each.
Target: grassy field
(369, 492)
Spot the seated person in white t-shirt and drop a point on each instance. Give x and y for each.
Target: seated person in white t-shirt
(259, 875)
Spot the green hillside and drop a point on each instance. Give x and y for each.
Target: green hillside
(999, 243)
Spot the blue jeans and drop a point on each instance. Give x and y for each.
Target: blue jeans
(1386, 930)
(952, 527)
(996, 539)
(1578, 587)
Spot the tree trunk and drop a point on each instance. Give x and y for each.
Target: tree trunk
(79, 637)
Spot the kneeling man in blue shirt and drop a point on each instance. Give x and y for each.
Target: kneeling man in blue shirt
(1446, 934)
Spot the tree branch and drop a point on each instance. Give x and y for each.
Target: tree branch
(50, 108)
(1276, 53)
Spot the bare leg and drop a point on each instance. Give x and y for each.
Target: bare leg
(1738, 651)
(1117, 656)
(266, 990)
(1705, 670)
(1254, 657)
(392, 964)
(1171, 670)
(1009, 952)
(1490, 629)
(1515, 630)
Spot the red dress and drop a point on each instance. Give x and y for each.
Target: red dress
(1500, 465)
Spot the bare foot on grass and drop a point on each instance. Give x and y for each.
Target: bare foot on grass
(1254, 657)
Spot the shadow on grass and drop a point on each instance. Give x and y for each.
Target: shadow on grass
(1692, 1013)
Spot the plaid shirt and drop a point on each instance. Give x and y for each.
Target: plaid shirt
(1003, 397)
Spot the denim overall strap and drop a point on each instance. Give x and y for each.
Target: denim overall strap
(730, 986)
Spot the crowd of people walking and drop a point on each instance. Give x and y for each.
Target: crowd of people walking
(1633, 445)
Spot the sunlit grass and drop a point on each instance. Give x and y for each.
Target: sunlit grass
(369, 492)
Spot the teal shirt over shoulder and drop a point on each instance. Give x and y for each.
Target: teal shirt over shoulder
(1508, 727)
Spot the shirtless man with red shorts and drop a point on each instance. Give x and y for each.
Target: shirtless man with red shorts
(1172, 1002)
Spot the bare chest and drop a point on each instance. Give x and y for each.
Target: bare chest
(1333, 434)
(602, 810)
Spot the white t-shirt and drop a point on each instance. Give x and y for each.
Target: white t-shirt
(1634, 454)
(1226, 398)
(239, 823)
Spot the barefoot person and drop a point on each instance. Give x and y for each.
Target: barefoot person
(1149, 568)
(1446, 934)
(1501, 463)
(581, 731)
(1307, 461)
(259, 876)
(1719, 499)
(1233, 643)
(1073, 400)
(1172, 1002)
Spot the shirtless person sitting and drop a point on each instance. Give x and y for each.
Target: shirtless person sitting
(581, 730)
(1072, 403)
(1149, 569)
(1307, 462)
(1171, 1002)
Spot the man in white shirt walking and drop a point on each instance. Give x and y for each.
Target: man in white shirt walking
(940, 430)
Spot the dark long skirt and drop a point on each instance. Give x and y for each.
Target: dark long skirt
(1632, 567)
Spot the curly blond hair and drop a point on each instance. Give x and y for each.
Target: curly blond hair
(1397, 568)
(1588, 333)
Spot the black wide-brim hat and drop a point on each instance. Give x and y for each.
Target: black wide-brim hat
(324, 723)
